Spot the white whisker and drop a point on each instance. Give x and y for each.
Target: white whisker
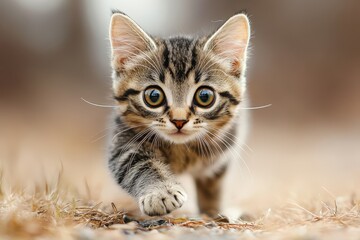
(237, 143)
(133, 140)
(126, 129)
(258, 107)
(148, 135)
(248, 147)
(232, 151)
(98, 105)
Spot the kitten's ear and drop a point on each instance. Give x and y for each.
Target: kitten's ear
(230, 42)
(127, 40)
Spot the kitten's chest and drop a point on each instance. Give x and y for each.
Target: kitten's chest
(183, 158)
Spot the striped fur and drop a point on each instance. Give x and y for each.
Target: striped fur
(147, 150)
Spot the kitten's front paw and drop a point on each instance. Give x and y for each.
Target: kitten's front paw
(162, 200)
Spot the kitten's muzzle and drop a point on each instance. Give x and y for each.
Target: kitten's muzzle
(179, 124)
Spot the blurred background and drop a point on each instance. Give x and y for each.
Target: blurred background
(305, 61)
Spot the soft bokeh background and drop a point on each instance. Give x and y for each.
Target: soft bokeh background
(305, 61)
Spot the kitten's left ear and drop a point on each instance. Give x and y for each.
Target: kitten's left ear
(230, 42)
(127, 40)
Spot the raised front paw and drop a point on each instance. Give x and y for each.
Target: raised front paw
(161, 200)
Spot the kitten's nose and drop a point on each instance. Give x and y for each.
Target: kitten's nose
(179, 123)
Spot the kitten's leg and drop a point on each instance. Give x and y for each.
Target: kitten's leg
(147, 179)
(209, 192)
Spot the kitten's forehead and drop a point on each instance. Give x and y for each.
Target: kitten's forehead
(180, 57)
(180, 91)
(183, 66)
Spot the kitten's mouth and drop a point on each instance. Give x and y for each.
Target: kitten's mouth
(178, 136)
(179, 133)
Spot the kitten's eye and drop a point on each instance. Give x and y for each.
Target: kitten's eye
(204, 97)
(154, 97)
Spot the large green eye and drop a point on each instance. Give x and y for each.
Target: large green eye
(204, 97)
(154, 97)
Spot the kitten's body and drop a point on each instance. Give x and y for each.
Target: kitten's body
(151, 145)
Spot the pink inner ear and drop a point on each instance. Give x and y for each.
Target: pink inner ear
(126, 45)
(229, 43)
(231, 46)
(231, 52)
(127, 40)
(123, 50)
(118, 62)
(235, 65)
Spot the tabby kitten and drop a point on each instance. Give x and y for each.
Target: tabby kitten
(179, 102)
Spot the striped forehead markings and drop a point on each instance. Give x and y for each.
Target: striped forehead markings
(179, 57)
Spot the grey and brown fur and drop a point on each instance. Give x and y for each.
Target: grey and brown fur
(147, 150)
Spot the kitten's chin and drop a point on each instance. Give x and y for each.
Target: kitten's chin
(178, 137)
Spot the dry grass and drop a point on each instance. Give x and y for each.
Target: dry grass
(55, 214)
(56, 211)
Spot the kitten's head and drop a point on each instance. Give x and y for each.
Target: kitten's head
(179, 88)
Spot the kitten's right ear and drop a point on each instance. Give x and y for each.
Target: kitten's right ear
(127, 40)
(230, 42)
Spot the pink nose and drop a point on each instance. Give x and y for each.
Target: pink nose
(179, 124)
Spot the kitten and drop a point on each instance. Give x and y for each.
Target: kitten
(179, 111)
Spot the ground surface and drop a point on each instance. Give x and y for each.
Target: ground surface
(49, 216)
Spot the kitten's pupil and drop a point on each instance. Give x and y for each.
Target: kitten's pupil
(154, 96)
(204, 96)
